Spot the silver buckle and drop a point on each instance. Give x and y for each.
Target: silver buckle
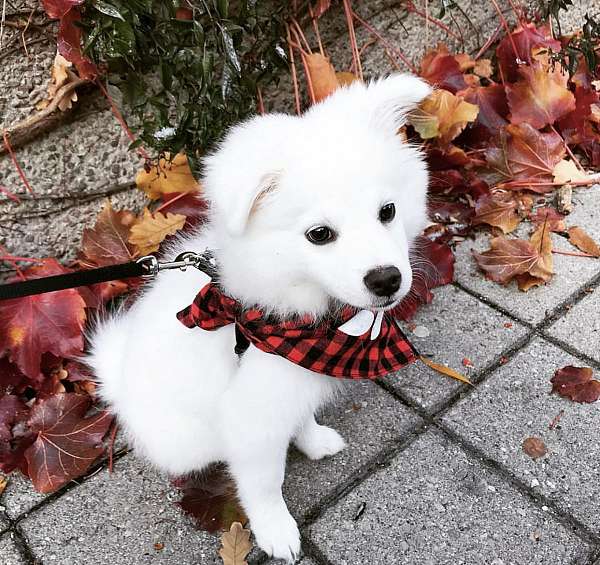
(184, 260)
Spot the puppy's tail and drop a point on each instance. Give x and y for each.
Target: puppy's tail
(109, 342)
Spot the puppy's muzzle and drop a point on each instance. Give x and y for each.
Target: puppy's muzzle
(383, 281)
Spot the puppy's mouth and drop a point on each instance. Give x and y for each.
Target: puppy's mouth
(384, 305)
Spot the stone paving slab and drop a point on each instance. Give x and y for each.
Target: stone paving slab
(571, 273)
(515, 403)
(9, 552)
(460, 327)
(4, 523)
(435, 505)
(370, 420)
(117, 520)
(580, 327)
(19, 496)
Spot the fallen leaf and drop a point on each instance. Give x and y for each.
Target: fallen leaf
(443, 370)
(442, 115)
(67, 442)
(159, 546)
(167, 176)
(441, 69)
(554, 221)
(3, 483)
(15, 436)
(211, 499)
(506, 259)
(516, 49)
(543, 267)
(235, 545)
(541, 97)
(576, 383)
(580, 239)
(534, 447)
(483, 68)
(499, 210)
(566, 171)
(526, 154)
(152, 229)
(345, 78)
(107, 242)
(322, 75)
(33, 325)
(575, 126)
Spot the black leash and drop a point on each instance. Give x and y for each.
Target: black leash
(147, 267)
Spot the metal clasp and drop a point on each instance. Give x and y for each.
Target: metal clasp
(204, 262)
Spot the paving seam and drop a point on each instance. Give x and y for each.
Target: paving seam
(539, 500)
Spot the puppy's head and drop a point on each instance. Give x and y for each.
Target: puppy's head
(324, 206)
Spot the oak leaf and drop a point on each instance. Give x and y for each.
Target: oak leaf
(211, 499)
(442, 115)
(167, 176)
(576, 383)
(33, 325)
(60, 76)
(67, 442)
(235, 545)
(580, 239)
(107, 242)
(152, 229)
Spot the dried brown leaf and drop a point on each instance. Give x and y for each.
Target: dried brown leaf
(580, 239)
(534, 447)
(150, 232)
(576, 383)
(235, 545)
(167, 176)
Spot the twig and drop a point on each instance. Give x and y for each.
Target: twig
(525, 183)
(488, 43)
(351, 32)
(568, 149)
(294, 72)
(141, 151)
(29, 44)
(573, 253)
(13, 262)
(300, 35)
(315, 25)
(24, 130)
(506, 28)
(386, 43)
(10, 195)
(2, 21)
(15, 162)
(259, 101)
(412, 8)
(25, 31)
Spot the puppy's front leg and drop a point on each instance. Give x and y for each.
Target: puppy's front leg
(317, 441)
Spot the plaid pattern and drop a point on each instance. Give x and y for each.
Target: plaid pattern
(321, 348)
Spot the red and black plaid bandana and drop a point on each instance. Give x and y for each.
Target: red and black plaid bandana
(321, 348)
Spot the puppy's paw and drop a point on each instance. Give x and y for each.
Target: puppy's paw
(278, 536)
(320, 442)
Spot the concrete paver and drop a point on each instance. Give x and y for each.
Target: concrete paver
(580, 326)
(436, 505)
(370, 420)
(515, 403)
(116, 519)
(9, 552)
(460, 328)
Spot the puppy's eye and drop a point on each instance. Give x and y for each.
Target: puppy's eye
(387, 213)
(320, 235)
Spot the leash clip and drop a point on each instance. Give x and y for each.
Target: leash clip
(203, 262)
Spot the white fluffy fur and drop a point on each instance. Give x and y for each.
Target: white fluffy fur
(182, 394)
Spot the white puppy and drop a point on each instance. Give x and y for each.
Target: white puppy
(303, 211)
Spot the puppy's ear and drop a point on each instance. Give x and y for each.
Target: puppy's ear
(391, 98)
(245, 167)
(382, 103)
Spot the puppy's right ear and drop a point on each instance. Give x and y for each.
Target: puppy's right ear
(245, 167)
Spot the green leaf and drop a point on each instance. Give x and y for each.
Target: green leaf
(107, 9)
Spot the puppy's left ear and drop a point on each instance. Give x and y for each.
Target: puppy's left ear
(246, 167)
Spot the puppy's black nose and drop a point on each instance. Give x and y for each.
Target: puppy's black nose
(383, 281)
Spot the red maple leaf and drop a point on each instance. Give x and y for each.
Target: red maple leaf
(541, 97)
(433, 267)
(50, 322)
(192, 206)
(441, 69)
(523, 153)
(576, 383)
(515, 49)
(67, 442)
(575, 126)
(493, 109)
(56, 9)
(15, 436)
(506, 259)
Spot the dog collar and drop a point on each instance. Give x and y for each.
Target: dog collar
(352, 345)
